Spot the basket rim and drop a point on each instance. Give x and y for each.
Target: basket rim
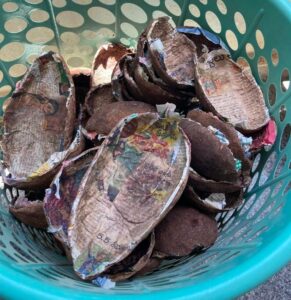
(236, 281)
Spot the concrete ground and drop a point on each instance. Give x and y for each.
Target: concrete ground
(276, 288)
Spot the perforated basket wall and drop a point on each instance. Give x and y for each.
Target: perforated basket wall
(254, 240)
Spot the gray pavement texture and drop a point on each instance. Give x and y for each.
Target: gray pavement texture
(276, 288)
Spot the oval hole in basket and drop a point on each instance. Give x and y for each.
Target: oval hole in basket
(213, 21)
(239, 233)
(83, 2)
(70, 38)
(125, 41)
(228, 216)
(38, 16)
(173, 7)
(248, 202)
(240, 22)
(70, 19)
(263, 68)
(158, 13)
(277, 188)
(283, 112)
(31, 58)
(285, 136)
(189, 22)
(89, 34)
(231, 39)
(280, 166)
(256, 162)
(75, 62)
(275, 57)
(17, 70)
(129, 30)
(259, 203)
(250, 50)
(12, 51)
(10, 7)
(101, 15)
(194, 10)
(15, 25)
(112, 2)
(134, 13)
(244, 64)
(221, 7)
(285, 80)
(86, 50)
(268, 168)
(39, 35)
(151, 2)
(260, 39)
(272, 94)
(67, 50)
(59, 3)
(253, 181)
(5, 90)
(34, 1)
(265, 212)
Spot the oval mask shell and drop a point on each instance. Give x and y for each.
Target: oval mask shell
(104, 62)
(213, 202)
(134, 262)
(129, 83)
(119, 89)
(97, 97)
(152, 264)
(230, 93)
(232, 135)
(204, 40)
(60, 196)
(39, 123)
(155, 94)
(109, 115)
(137, 176)
(208, 119)
(171, 53)
(210, 158)
(183, 231)
(124, 86)
(206, 185)
(149, 82)
(29, 212)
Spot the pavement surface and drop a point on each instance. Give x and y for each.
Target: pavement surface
(276, 288)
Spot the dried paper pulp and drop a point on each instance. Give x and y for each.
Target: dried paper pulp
(135, 179)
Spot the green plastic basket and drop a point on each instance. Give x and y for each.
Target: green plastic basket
(255, 239)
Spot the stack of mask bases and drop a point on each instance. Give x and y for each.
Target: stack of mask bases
(128, 164)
